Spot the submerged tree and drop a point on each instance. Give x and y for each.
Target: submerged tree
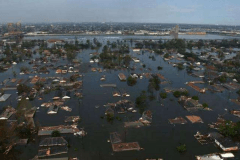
(141, 101)
(182, 148)
(131, 81)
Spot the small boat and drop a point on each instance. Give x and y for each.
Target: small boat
(91, 61)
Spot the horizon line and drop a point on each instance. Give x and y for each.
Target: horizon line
(123, 22)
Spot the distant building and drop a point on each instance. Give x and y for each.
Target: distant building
(10, 27)
(18, 26)
(174, 32)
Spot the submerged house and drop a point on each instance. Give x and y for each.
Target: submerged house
(226, 144)
(58, 95)
(189, 103)
(146, 117)
(7, 113)
(4, 97)
(53, 109)
(66, 95)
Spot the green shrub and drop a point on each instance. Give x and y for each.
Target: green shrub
(205, 105)
(182, 148)
(163, 95)
(195, 98)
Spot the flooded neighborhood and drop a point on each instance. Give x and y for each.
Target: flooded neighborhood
(119, 97)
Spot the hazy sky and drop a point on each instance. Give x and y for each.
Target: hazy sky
(156, 11)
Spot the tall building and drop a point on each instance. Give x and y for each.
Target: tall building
(174, 32)
(18, 26)
(10, 27)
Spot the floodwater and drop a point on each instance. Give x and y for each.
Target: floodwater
(158, 140)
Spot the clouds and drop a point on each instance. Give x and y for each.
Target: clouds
(174, 11)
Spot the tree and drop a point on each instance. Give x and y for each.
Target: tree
(21, 88)
(180, 66)
(155, 81)
(159, 68)
(163, 95)
(24, 69)
(131, 81)
(238, 92)
(127, 59)
(182, 148)
(110, 117)
(38, 85)
(190, 68)
(222, 78)
(56, 133)
(71, 56)
(229, 129)
(205, 105)
(177, 94)
(14, 74)
(195, 98)
(141, 101)
(166, 55)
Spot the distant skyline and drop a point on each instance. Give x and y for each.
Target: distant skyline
(222, 12)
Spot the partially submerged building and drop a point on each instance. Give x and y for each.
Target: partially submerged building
(7, 113)
(4, 97)
(53, 141)
(194, 119)
(61, 128)
(225, 143)
(177, 120)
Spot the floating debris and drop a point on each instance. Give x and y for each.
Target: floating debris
(72, 119)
